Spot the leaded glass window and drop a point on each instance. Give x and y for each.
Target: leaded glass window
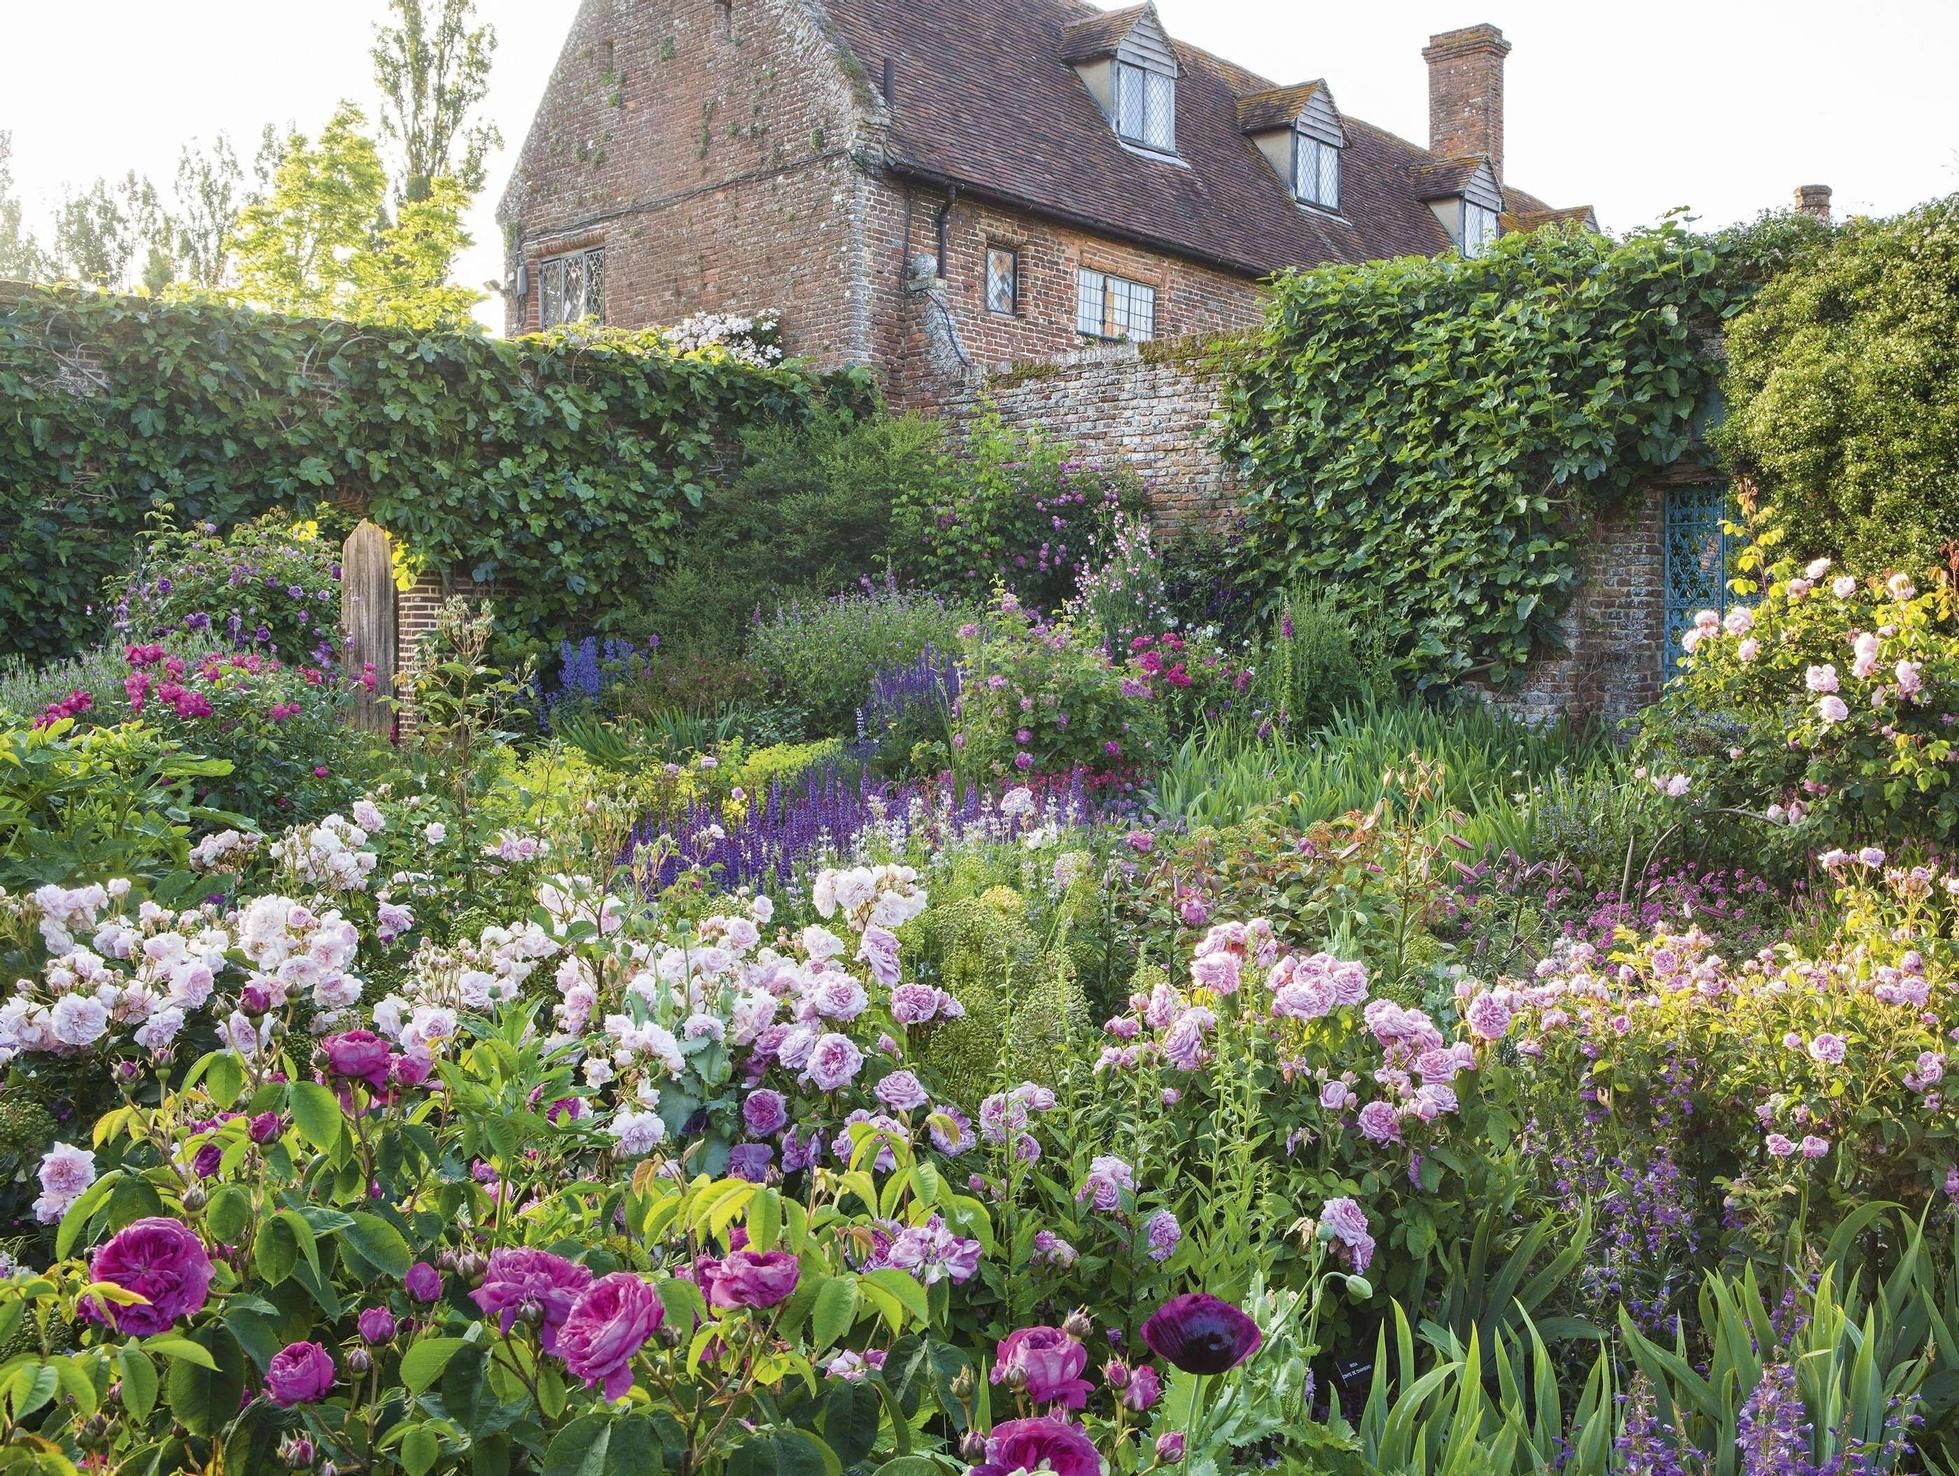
(1002, 280)
(1479, 228)
(571, 287)
(1146, 107)
(1108, 306)
(1316, 172)
(1697, 554)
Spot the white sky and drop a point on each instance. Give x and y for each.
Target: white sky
(1721, 105)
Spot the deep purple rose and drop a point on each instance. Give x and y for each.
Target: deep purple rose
(746, 1278)
(1201, 1334)
(358, 1055)
(376, 1324)
(210, 1158)
(423, 1282)
(531, 1283)
(1048, 1443)
(764, 1111)
(606, 1326)
(267, 1128)
(1047, 1363)
(160, 1259)
(299, 1373)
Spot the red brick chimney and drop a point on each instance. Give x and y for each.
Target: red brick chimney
(1814, 200)
(1465, 93)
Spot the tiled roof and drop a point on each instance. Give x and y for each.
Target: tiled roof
(1276, 107)
(1099, 35)
(1437, 179)
(985, 99)
(1531, 220)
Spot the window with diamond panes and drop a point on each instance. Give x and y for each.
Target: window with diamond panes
(1146, 107)
(1108, 306)
(571, 287)
(1697, 552)
(1316, 173)
(1479, 229)
(1002, 280)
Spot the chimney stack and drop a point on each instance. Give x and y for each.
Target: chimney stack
(1814, 200)
(1465, 93)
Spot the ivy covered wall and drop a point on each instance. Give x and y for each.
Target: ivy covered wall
(559, 466)
(1433, 438)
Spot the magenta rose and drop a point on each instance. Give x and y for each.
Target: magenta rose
(358, 1055)
(156, 1258)
(605, 1327)
(376, 1324)
(423, 1282)
(1201, 1334)
(299, 1373)
(1047, 1363)
(746, 1278)
(1045, 1444)
(531, 1283)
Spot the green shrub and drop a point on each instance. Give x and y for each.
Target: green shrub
(1829, 707)
(1017, 508)
(272, 583)
(819, 656)
(1840, 399)
(1318, 659)
(1043, 699)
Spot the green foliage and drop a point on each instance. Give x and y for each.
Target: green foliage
(561, 467)
(1840, 391)
(1318, 659)
(819, 656)
(1020, 510)
(319, 243)
(89, 806)
(1433, 433)
(808, 516)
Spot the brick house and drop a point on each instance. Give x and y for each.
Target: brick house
(929, 192)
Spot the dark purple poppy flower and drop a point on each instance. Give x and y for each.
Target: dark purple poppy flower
(1201, 1334)
(1044, 1444)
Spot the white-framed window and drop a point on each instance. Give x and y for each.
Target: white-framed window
(1146, 107)
(1316, 171)
(1479, 228)
(1114, 307)
(571, 287)
(1002, 280)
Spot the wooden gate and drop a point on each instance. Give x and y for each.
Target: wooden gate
(367, 615)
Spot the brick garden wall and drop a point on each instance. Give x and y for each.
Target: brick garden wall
(1149, 412)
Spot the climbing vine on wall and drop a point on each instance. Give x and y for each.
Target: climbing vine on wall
(558, 466)
(1431, 437)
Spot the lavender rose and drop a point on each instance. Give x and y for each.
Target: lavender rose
(834, 1062)
(156, 1258)
(746, 1278)
(764, 1111)
(524, 1283)
(606, 1326)
(1201, 1334)
(299, 1373)
(1045, 1444)
(1047, 1363)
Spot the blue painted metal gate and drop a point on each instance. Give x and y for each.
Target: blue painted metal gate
(1696, 558)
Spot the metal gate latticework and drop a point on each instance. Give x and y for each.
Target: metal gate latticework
(1696, 560)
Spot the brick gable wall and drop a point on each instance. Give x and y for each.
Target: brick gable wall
(707, 148)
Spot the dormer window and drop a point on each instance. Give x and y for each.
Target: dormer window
(1466, 199)
(1146, 107)
(1298, 131)
(1130, 68)
(1479, 228)
(1315, 172)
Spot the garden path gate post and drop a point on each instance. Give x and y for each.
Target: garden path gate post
(367, 615)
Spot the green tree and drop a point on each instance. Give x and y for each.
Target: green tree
(210, 194)
(320, 243)
(21, 257)
(433, 68)
(99, 232)
(1843, 391)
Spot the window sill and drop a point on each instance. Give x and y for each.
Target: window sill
(1159, 156)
